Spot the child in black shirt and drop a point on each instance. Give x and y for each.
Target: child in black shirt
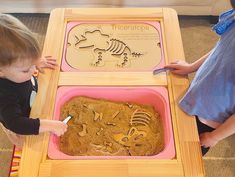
(20, 55)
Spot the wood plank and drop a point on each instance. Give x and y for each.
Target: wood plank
(34, 150)
(188, 136)
(171, 98)
(73, 14)
(112, 78)
(112, 168)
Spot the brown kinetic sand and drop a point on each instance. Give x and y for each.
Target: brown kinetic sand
(106, 128)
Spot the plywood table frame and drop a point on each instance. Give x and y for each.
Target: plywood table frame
(188, 161)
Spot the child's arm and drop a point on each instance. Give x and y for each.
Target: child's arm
(13, 118)
(53, 126)
(28, 126)
(184, 68)
(209, 139)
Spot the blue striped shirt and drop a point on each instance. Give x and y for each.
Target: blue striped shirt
(211, 94)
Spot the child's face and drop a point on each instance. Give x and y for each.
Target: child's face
(19, 71)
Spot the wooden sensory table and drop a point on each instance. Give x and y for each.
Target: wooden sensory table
(187, 162)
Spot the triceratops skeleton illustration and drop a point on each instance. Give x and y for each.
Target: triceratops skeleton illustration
(105, 48)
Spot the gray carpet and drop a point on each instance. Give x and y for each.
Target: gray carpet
(198, 39)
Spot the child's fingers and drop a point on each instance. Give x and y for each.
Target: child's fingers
(46, 65)
(51, 66)
(51, 59)
(65, 126)
(59, 133)
(179, 72)
(176, 71)
(169, 66)
(62, 129)
(172, 66)
(48, 56)
(52, 62)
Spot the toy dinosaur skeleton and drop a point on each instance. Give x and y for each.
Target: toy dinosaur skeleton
(128, 139)
(140, 118)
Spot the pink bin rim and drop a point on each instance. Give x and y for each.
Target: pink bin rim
(138, 95)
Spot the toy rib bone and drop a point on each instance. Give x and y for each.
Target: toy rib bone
(140, 118)
(127, 139)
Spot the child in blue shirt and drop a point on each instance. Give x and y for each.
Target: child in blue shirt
(211, 95)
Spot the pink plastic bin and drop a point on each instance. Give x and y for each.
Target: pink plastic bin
(70, 25)
(156, 96)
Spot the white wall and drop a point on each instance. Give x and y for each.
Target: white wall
(183, 7)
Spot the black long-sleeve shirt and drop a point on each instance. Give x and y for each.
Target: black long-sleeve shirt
(15, 106)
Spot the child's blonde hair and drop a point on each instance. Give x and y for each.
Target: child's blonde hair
(17, 42)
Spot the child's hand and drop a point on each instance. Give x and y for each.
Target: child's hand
(53, 126)
(59, 128)
(207, 140)
(46, 62)
(180, 67)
